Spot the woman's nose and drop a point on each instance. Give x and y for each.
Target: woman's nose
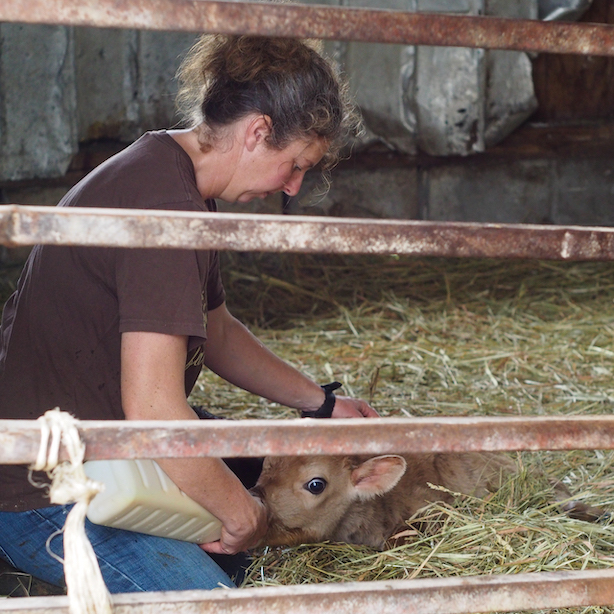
(292, 187)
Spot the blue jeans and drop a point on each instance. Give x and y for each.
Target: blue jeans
(129, 562)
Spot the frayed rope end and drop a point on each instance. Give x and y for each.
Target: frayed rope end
(87, 592)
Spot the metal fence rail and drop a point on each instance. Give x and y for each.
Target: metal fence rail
(19, 439)
(339, 23)
(428, 596)
(29, 225)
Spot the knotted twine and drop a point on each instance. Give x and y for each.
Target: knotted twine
(86, 590)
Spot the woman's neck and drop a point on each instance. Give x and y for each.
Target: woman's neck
(213, 167)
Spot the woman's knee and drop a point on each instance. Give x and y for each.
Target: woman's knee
(129, 562)
(134, 562)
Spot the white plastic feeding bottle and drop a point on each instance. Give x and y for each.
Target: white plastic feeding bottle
(139, 496)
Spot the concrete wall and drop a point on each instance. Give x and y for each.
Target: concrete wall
(125, 81)
(61, 88)
(38, 128)
(505, 189)
(439, 100)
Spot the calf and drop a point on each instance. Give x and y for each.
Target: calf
(364, 500)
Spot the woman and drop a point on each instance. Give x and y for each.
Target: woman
(123, 333)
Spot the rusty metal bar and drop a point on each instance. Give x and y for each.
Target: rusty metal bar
(426, 596)
(19, 439)
(29, 225)
(325, 22)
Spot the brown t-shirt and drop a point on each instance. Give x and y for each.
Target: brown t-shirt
(61, 329)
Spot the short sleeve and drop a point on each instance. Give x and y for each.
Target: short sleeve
(161, 290)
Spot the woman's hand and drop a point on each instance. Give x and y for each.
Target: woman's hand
(347, 407)
(153, 388)
(243, 532)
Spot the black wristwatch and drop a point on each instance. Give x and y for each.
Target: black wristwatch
(326, 409)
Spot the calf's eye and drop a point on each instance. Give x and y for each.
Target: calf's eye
(315, 486)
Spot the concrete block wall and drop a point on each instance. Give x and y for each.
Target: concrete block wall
(584, 192)
(125, 81)
(543, 189)
(38, 128)
(513, 191)
(63, 86)
(439, 100)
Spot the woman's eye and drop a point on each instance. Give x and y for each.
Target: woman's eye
(316, 486)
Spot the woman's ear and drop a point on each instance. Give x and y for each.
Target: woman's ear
(257, 132)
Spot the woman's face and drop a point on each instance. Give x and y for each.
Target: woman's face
(267, 170)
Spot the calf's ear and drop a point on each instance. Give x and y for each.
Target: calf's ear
(377, 475)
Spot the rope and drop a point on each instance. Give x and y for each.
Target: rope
(87, 592)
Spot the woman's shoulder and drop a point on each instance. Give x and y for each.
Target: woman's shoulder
(154, 172)
(154, 149)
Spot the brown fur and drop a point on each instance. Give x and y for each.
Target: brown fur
(366, 499)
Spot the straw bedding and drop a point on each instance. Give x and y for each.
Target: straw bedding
(431, 337)
(443, 337)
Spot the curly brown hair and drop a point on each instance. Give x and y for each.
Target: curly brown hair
(225, 77)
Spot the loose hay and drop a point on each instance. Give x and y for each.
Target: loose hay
(443, 337)
(432, 337)
(429, 337)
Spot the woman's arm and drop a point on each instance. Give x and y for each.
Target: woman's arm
(152, 383)
(235, 354)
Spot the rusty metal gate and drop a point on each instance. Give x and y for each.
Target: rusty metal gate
(29, 225)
